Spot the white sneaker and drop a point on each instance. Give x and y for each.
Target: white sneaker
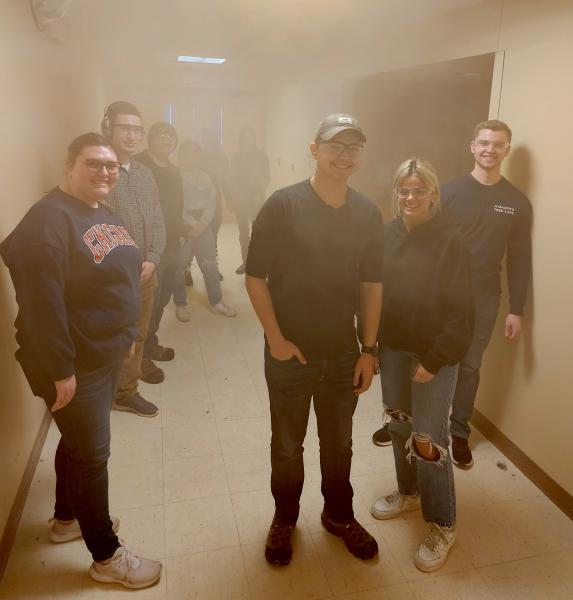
(222, 309)
(392, 505)
(433, 551)
(66, 531)
(128, 569)
(182, 313)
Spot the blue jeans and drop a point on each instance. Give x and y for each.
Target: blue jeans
(204, 249)
(420, 411)
(486, 306)
(82, 455)
(328, 382)
(165, 285)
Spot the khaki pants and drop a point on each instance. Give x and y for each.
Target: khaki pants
(131, 371)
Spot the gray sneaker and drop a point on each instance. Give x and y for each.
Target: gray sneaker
(222, 309)
(128, 569)
(138, 405)
(182, 314)
(66, 531)
(434, 550)
(392, 505)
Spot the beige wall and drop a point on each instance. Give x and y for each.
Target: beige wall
(526, 386)
(46, 100)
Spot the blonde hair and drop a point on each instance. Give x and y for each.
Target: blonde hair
(416, 167)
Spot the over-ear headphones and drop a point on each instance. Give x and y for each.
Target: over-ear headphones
(105, 125)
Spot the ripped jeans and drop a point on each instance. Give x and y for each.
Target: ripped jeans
(420, 412)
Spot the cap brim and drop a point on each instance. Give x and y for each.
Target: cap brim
(328, 135)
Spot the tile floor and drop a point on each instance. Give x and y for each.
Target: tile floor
(191, 487)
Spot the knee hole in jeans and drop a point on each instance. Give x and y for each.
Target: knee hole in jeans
(423, 447)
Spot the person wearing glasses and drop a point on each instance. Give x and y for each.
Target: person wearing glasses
(316, 248)
(250, 176)
(425, 329)
(75, 269)
(161, 142)
(135, 199)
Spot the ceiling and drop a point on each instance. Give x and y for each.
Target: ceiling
(262, 40)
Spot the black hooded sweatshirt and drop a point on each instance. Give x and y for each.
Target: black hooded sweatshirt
(75, 270)
(427, 306)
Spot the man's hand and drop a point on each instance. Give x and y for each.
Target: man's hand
(285, 350)
(147, 269)
(421, 375)
(65, 391)
(197, 229)
(513, 326)
(363, 373)
(129, 354)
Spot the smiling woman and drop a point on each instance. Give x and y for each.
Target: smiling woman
(76, 269)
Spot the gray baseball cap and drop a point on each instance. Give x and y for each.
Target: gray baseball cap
(334, 124)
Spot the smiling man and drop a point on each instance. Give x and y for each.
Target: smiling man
(495, 220)
(316, 248)
(135, 200)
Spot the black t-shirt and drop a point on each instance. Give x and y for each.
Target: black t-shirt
(76, 274)
(170, 191)
(493, 218)
(314, 257)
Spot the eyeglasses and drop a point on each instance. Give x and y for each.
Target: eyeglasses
(339, 148)
(94, 166)
(483, 144)
(404, 193)
(134, 130)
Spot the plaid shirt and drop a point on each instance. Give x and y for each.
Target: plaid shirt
(135, 200)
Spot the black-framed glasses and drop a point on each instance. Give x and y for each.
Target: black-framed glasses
(339, 148)
(134, 130)
(94, 166)
(404, 193)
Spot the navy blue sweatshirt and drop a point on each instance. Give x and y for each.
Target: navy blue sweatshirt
(494, 219)
(428, 307)
(75, 270)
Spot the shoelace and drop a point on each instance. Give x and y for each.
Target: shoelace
(126, 561)
(392, 498)
(434, 537)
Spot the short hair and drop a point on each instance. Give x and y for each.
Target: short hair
(494, 125)
(418, 168)
(121, 108)
(83, 141)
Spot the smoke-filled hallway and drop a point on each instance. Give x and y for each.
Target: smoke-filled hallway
(191, 487)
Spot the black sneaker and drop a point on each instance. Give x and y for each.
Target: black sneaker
(241, 270)
(138, 405)
(278, 549)
(150, 373)
(162, 353)
(461, 453)
(382, 437)
(358, 541)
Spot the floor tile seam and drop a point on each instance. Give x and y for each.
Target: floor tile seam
(320, 561)
(210, 496)
(215, 548)
(523, 558)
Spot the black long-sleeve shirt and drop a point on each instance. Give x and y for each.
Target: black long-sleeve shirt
(75, 270)
(428, 306)
(494, 219)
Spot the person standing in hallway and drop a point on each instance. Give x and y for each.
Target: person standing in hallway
(316, 248)
(425, 329)
(162, 141)
(250, 177)
(76, 270)
(199, 208)
(495, 219)
(216, 165)
(135, 200)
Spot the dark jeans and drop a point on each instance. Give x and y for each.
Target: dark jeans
(246, 211)
(81, 459)
(328, 382)
(486, 306)
(165, 285)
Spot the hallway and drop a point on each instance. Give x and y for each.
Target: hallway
(191, 487)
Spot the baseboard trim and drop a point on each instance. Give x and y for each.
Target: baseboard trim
(9, 534)
(529, 468)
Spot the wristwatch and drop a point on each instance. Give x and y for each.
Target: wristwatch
(370, 350)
